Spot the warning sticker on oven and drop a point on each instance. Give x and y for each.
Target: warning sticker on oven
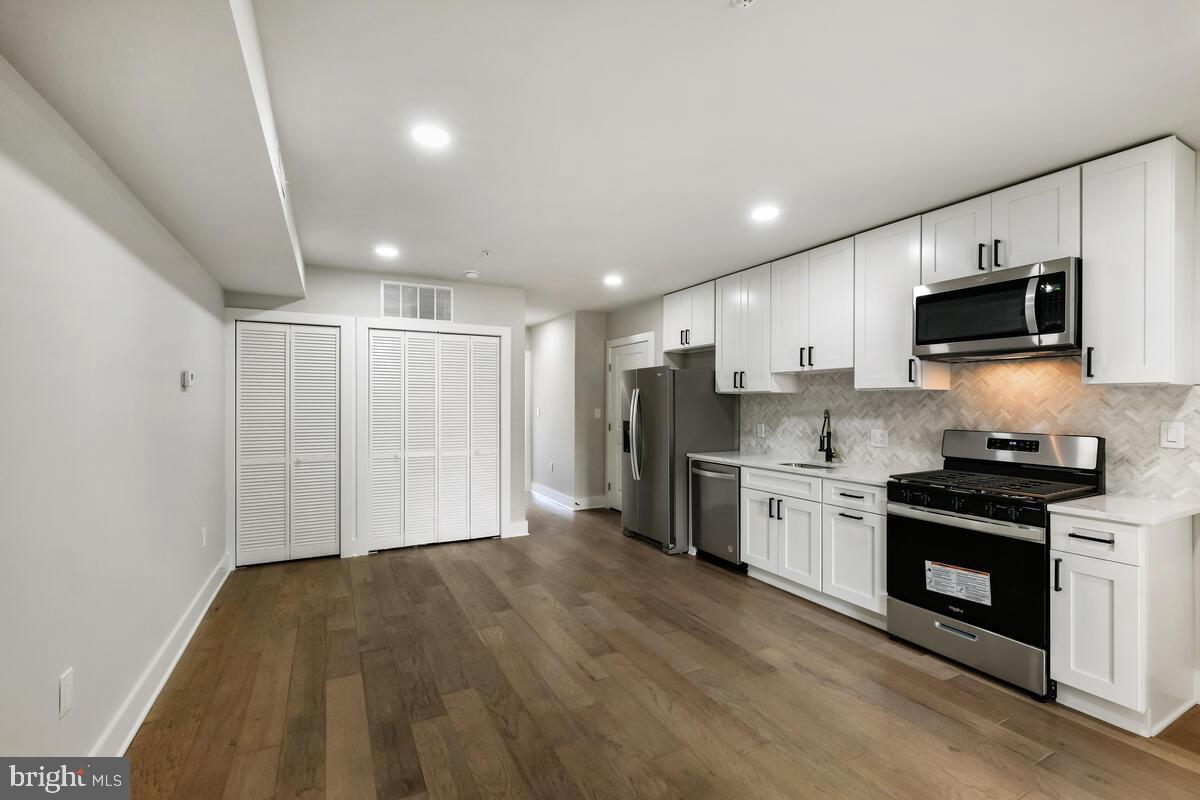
(967, 584)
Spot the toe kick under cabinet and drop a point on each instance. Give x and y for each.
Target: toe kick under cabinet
(820, 538)
(1121, 620)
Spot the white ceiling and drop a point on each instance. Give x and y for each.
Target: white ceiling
(634, 137)
(161, 90)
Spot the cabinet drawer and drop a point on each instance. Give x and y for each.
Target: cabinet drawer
(801, 487)
(1110, 541)
(856, 496)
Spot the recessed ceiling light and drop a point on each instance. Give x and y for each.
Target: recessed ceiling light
(431, 136)
(472, 274)
(764, 213)
(388, 251)
(613, 280)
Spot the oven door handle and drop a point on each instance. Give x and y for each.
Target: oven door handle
(1028, 533)
(1031, 322)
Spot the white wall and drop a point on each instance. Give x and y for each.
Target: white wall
(356, 292)
(552, 345)
(107, 469)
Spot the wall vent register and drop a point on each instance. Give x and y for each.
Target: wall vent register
(416, 301)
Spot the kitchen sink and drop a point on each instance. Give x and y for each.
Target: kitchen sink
(802, 465)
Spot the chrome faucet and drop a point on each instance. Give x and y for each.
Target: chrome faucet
(825, 440)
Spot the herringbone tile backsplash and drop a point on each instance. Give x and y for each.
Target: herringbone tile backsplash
(1039, 396)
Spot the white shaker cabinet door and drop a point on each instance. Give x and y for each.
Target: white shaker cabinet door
(798, 527)
(852, 554)
(758, 530)
(956, 240)
(1036, 221)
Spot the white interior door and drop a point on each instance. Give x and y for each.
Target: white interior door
(385, 439)
(287, 442)
(420, 438)
(261, 502)
(454, 437)
(621, 357)
(313, 435)
(485, 437)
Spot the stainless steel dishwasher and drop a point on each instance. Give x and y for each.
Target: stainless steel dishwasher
(715, 511)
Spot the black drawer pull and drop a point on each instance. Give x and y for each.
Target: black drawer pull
(1057, 565)
(911, 363)
(853, 496)
(1092, 538)
(770, 508)
(848, 516)
(1088, 371)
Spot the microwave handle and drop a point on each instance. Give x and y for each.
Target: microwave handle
(1031, 322)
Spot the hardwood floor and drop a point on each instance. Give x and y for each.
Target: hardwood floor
(578, 663)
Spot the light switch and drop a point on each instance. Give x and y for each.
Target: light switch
(879, 437)
(596, 413)
(760, 430)
(1172, 434)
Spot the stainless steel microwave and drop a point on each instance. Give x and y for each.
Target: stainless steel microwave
(1024, 312)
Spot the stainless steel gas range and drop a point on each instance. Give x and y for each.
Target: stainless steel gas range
(968, 572)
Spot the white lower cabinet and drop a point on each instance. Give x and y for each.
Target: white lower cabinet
(798, 529)
(758, 535)
(1094, 627)
(852, 556)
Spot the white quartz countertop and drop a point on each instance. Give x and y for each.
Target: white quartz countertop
(862, 473)
(1127, 509)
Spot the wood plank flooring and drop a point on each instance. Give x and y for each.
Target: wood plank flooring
(575, 663)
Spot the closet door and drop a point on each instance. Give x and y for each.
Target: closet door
(485, 436)
(261, 438)
(385, 439)
(420, 438)
(313, 434)
(453, 442)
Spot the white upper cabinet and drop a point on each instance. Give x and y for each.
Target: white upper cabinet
(812, 310)
(688, 318)
(955, 240)
(1036, 221)
(743, 334)
(887, 266)
(1138, 272)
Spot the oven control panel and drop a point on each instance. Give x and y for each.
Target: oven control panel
(972, 503)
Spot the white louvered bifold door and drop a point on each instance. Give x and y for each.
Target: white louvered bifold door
(261, 518)
(313, 507)
(454, 437)
(485, 436)
(420, 438)
(385, 440)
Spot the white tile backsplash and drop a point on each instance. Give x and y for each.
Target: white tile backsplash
(1039, 396)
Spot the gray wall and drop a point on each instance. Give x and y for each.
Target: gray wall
(553, 362)
(590, 335)
(356, 292)
(107, 469)
(639, 318)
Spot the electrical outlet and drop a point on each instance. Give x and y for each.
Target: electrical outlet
(204, 536)
(879, 437)
(760, 430)
(596, 413)
(66, 691)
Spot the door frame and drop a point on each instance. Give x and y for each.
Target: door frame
(346, 417)
(611, 413)
(508, 527)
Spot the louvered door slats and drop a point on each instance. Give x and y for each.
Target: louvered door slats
(420, 438)
(314, 441)
(385, 439)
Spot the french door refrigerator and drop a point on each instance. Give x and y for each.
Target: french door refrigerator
(666, 414)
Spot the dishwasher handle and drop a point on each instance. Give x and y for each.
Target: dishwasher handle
(721, 476)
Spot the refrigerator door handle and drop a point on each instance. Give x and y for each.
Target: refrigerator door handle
(634, 409)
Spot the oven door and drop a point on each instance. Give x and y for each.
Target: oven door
(990, 575)
(1028, 310)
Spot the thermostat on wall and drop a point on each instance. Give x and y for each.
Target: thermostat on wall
(186, 379)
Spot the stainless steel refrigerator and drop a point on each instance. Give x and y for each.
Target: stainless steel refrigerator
(668, 413)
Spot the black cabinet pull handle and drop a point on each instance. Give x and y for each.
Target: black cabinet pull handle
(681, 338)
(687, 339)
(770, 508)
(995, 252)
(1074, 535)
(1089, 362)
(979, 257)
(743, 374)
(1057, 565)
(853, 496)
(848, 516)
(735, 380)
(802, 356)
(911, 364)
(810, 361)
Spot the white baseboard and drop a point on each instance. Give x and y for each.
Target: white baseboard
(120, 732)
(568, 502)
(515, 528)
(820, 598)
